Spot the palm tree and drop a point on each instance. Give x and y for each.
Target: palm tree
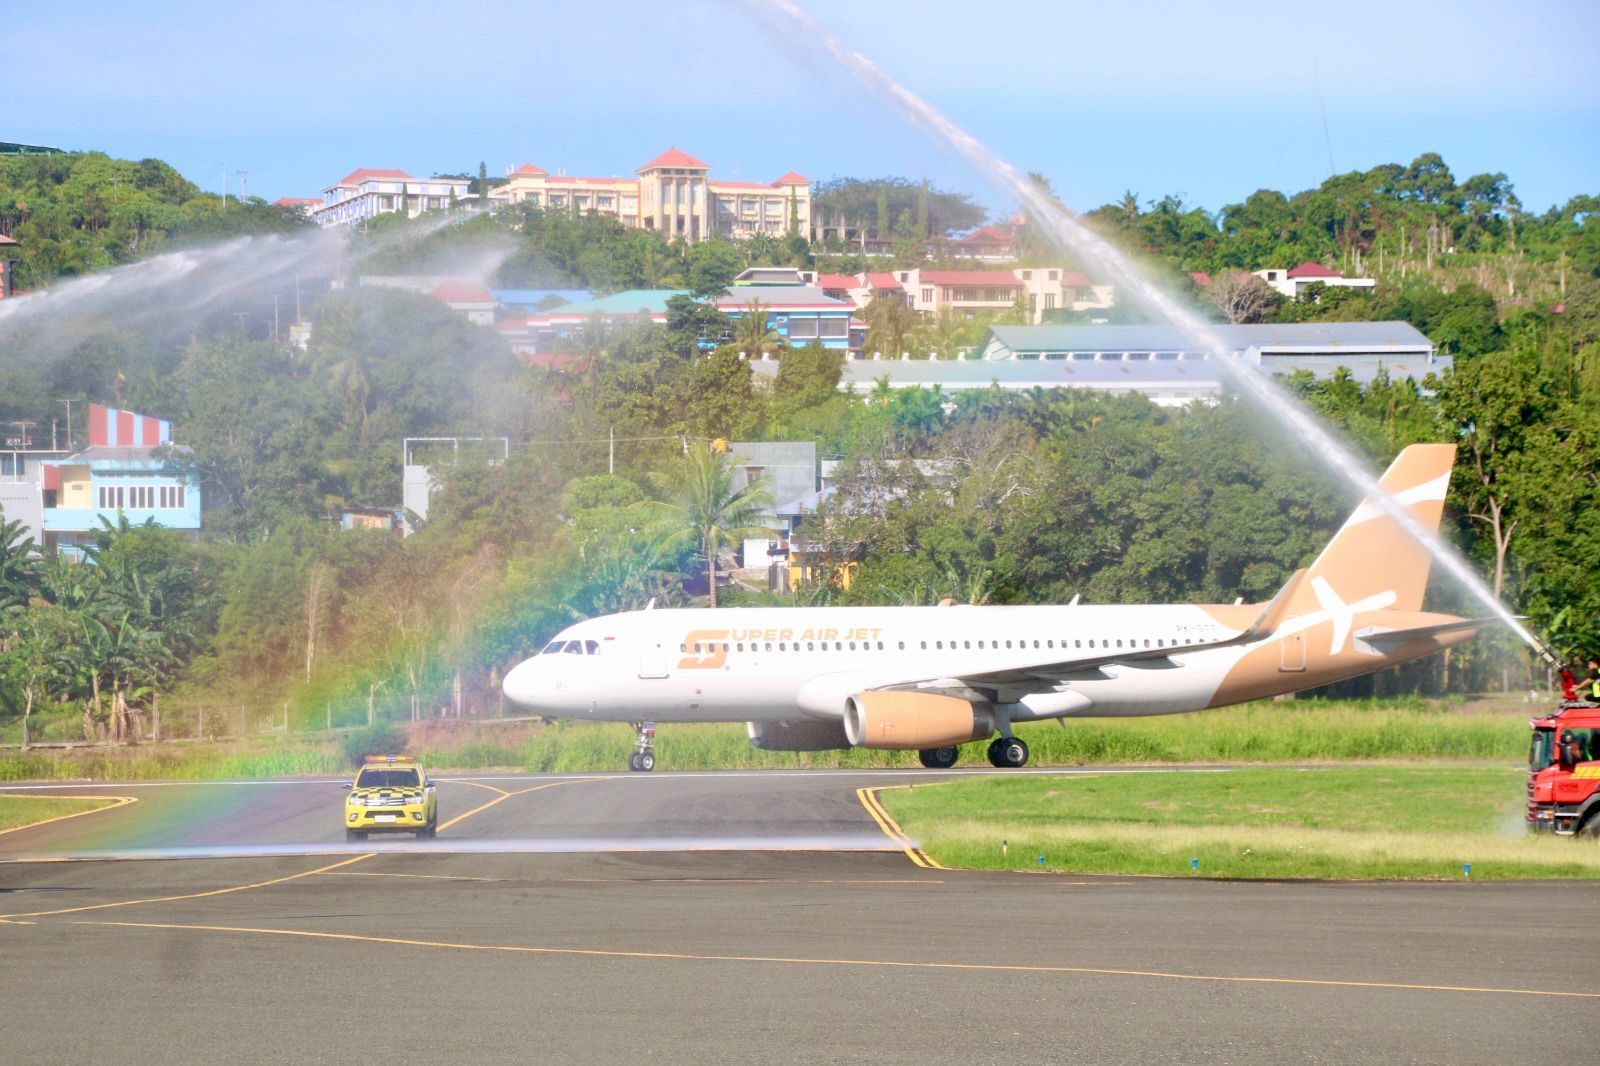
(337, 354)
(702, 508)
(891, 325)
(752, 333)
(19, 565)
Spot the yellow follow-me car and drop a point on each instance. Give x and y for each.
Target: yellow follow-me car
(392, 794)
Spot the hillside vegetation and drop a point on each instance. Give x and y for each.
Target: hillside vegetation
(1053, 494)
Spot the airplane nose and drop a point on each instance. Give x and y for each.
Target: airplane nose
(522, 685)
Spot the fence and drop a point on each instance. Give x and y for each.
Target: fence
(187, 722)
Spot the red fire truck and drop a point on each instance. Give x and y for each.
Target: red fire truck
(1564, 770)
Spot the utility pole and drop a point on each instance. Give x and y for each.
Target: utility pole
(69, 423)
(224, 186)
(274, 318)
(244, 183)
(611, 458)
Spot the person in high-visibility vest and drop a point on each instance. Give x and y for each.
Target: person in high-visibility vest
(1590, 688)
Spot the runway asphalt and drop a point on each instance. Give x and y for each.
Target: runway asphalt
(729, 917)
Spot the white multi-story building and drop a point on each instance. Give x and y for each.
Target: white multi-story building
(967, 293)
(365, 193)
(672, 194)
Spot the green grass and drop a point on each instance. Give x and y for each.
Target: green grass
(1307, 731)
(25, 810)
(1391, 821)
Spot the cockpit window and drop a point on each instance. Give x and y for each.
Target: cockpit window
(574, 647)
(553, 647)
(591, 647)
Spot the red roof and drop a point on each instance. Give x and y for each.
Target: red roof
(1312, 269)
(741, 185)
(1200, 278)
(836, 281)
(362, 174)
(792, 178)
(287, 201)
(529, 168)
(462, 292)
(997, 278)
(988, 235)
(882, 280)
(674, 158)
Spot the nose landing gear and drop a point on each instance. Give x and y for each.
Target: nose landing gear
(643, 756)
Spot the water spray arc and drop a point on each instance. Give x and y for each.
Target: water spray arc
(1068, 234)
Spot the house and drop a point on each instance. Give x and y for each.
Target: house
(468, 298)
(969, 293)
(797, 314)
(672, 194)
(131, 469)
(788, 472)
(1295, 281)
(8, 246)
(989, 244)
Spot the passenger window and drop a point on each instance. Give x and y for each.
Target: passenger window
(852, 645)
(811, 646)
(683, 647)
(880, 645)
(924, 645)
(1091, 643)
(902, 645)
(938, 645)
(838, 645)
(739, 646)
(967, 643)
(1079, 644)
(1008, 644)
(980, 645)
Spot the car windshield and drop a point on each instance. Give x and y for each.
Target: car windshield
(1541, 750)
(387, 778)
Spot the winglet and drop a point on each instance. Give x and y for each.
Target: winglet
(1272, 616)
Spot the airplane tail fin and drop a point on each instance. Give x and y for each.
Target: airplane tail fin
(1373, 558)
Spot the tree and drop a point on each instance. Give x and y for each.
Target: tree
(702, 508)
(19, 567)
(1241, 297)
(807, 377)
(752, 330)
(712, 265)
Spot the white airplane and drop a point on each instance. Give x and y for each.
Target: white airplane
(930, 679)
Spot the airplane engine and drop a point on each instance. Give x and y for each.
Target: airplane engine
(906, 721)
(803, 735)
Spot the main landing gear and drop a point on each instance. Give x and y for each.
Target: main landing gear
(643, 756)
(939, 758)
(1008, 752)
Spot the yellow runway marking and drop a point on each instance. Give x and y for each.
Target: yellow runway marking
(503, 795)
(121, 801)
(189, 895)
(887, 964)
(474, 784)
(891, 828)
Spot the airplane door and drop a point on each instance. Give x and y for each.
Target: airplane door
(653, 659)
(1292, 650)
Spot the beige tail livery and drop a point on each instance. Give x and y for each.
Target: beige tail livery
(1373, 559)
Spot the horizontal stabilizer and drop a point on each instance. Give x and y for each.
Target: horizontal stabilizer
(1394, 637)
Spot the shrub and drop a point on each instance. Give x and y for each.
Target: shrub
(379, 738)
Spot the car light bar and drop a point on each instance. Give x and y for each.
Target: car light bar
(391, 758)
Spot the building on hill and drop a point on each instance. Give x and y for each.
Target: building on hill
(366, 193)
(1151, 361)
(130, 469)
(1362, 348)
(969, 293)
(989, 244)
(467, 298)
(1296, 281)
(798, 314)
(673, 194)
(306, 205)
(8, 247)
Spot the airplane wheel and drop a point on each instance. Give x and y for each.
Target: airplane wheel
(633, 761)
(939, 758)
(647, 760)
(1008, 752)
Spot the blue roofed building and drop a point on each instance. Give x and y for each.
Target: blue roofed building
(130, 470)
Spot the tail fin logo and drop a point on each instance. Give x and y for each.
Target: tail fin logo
(1343, 614)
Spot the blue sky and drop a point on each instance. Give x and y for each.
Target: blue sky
(1203, 100)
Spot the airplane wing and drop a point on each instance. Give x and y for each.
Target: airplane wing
(1051, 672)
